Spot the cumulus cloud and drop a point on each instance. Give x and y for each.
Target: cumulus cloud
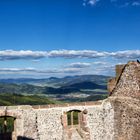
(128, 54)
(126, 3)
(69, 54)
(99, 63)
(136, 3)
(93, 2)
(17, 70)
(76, 54)
(37, 71)
(90, 2)
(119, 3)
(28, 54)
(108, 69)
(23, 54)
(84, 64)
(79, 65)
(70, 70)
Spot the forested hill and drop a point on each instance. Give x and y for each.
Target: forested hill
(54, 81)
(67, 89)
(11, 88)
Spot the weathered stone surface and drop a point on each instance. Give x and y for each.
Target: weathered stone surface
(126, 118)
(119, 70)
(111, 84)
(129, 82)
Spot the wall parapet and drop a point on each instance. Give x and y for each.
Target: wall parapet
(94, 103)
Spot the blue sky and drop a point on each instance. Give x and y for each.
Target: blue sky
(43, 38)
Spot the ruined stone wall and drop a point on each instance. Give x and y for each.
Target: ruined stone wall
(126, 118)
(101, 122)
(125, 100)
(45, 123)
(129, 82)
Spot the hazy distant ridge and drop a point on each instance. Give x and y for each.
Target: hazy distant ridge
(53, 85)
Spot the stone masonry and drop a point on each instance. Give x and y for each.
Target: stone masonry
(115, 118)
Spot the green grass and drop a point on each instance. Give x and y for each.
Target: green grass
(9, 122)
(14, 99)
(75, 117)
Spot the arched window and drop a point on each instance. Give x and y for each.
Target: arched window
(73, 117)
(6, 127)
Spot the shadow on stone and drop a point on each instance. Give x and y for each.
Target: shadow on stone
(23, 138)
(6, 136)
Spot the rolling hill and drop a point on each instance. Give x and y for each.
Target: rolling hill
(86, 85)
(70, 88)
(11, 88)
(15, 99)
(58, 82)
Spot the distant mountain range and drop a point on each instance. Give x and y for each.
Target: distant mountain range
(53, 85)
(86, 85)
(53, 90)
(54, 81)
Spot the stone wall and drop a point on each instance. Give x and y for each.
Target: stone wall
(45, 123)
(125, 100)
(128, 84)
(115, 118)
(126, 118)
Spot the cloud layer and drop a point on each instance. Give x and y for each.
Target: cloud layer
(79, 65)
(69, 69)
(93, 2)
(69, 54)
(120, 3)
(37, 71)
(90, 2)
(135, 3)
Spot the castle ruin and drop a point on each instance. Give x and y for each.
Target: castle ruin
(115, 118)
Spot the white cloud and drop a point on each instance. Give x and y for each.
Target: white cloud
(93, 2)
(128, 54)
(70, 70)
(119, 3)
(79, 65)
(16, 69)
(37, 71)
(108, 69)
(28, 54)
(90, 2)
(136, 3)
(99, 63)
(76, 54)
(126, 3)
(69, 54)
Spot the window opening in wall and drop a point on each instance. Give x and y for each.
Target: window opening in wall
(75, 125)
(73, 117)
(6, 127)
